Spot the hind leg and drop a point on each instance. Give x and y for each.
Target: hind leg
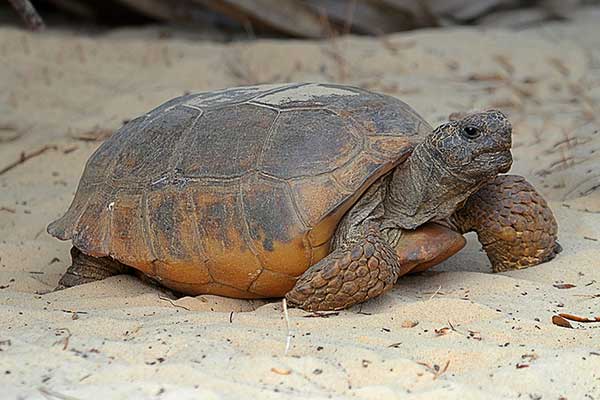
(86, 269)
(513, 223)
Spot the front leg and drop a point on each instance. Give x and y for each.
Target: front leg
(348, 276)
(513, 223)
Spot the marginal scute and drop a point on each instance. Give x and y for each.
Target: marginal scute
(173, 230)
(272, 284)
(316, 197)
(220, 222)
(217, 288)
(64, 227)
(92, 234)
(97, 169)
(275, 230)
(129, 237)
(354, 175)
(390, 147)
(189, 273)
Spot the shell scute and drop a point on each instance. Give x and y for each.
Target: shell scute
(129, 230)
(146, 154)
(308, 143)
(226, 143)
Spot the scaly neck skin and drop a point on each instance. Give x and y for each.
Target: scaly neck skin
(421, 189)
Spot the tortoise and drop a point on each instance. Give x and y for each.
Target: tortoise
(321, 193)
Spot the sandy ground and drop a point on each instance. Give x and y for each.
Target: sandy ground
(477, 334)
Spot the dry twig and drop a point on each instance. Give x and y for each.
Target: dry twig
(578, 318)
(435, 369)
(442, 331)
(28, 13)
(436, 292)
(65, 340)
(564, 285)
(281, 371)
(96, 134)
(172, 302)
(50, 394)
(288, 338)
(560, 321)
(319, 314)
(409, 323)
(24, 157)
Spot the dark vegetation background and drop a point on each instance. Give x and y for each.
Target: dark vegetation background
(234, 19)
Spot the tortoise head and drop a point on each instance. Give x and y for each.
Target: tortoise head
(475, 147)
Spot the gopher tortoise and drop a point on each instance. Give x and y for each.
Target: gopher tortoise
(322, 193)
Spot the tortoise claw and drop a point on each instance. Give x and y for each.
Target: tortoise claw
(347, 277)
(513, 223)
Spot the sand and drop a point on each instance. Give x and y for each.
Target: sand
(457, 332)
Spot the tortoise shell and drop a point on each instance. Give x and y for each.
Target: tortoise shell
(237, 192)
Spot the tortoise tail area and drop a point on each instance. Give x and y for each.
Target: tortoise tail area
(87, 221)
(57, 229)
(64, 227)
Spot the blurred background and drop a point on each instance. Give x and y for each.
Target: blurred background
(231, 19)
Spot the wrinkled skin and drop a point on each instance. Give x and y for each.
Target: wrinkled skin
(434, 190)
(447, 168)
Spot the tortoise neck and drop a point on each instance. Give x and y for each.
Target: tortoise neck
(421, 189)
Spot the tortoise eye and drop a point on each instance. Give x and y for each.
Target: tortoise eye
(471, 132)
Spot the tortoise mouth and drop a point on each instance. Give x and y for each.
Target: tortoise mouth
(504, 160)
(501, 160)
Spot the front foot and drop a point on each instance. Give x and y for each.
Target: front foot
(513, 223)
(347, 277)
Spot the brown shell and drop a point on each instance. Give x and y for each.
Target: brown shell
(236, 192)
